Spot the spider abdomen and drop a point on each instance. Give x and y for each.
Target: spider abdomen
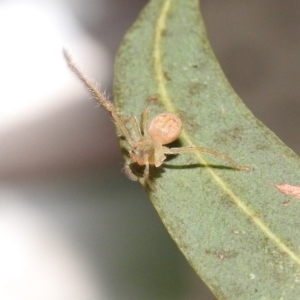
(165, 128)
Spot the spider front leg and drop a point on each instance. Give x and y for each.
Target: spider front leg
(135, 130)
(132, 176)
(128, 171)
(146, 174)
(205, 150)
(147, 178)
(145, 122)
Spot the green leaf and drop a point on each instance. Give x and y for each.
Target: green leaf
(232, 226)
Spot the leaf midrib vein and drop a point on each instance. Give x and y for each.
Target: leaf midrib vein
(160, 28)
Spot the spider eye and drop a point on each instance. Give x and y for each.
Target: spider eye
(165, 128)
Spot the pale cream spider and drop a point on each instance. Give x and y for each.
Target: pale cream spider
(146, 143)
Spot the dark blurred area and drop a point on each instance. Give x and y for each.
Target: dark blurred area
(72, 226)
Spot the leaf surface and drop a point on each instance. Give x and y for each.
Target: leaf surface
(231, 225)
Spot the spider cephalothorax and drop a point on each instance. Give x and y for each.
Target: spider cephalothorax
(146, 143)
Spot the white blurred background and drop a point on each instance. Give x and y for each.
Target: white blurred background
(71, 225)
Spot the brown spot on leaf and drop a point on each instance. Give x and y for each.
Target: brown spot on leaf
(222, 254)
(290, 190)
(167, 77)
(227, 136)
(152, 99)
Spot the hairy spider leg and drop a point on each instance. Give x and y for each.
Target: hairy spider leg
(147, 173)
(133, 177)
(181, 150)
(145, 122)
(128, 171)
(99, 97)
(134, 129)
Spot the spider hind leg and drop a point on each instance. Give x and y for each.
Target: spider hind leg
(222, 156)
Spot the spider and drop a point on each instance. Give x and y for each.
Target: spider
(146, 143)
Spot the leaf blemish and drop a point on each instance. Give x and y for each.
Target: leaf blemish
(166, 75)
(195, 89)
(222, 254)
(290, 190)
(226, 136)
(152, 99)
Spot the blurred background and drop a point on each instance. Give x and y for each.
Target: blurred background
(72, 226)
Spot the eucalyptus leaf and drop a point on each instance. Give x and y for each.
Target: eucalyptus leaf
(236, 228)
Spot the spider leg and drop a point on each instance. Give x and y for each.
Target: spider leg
(133, 177)
(99, 97)
(191, 149)
(147, 174)
(145, 121)
(134, 129)
(128, 171)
